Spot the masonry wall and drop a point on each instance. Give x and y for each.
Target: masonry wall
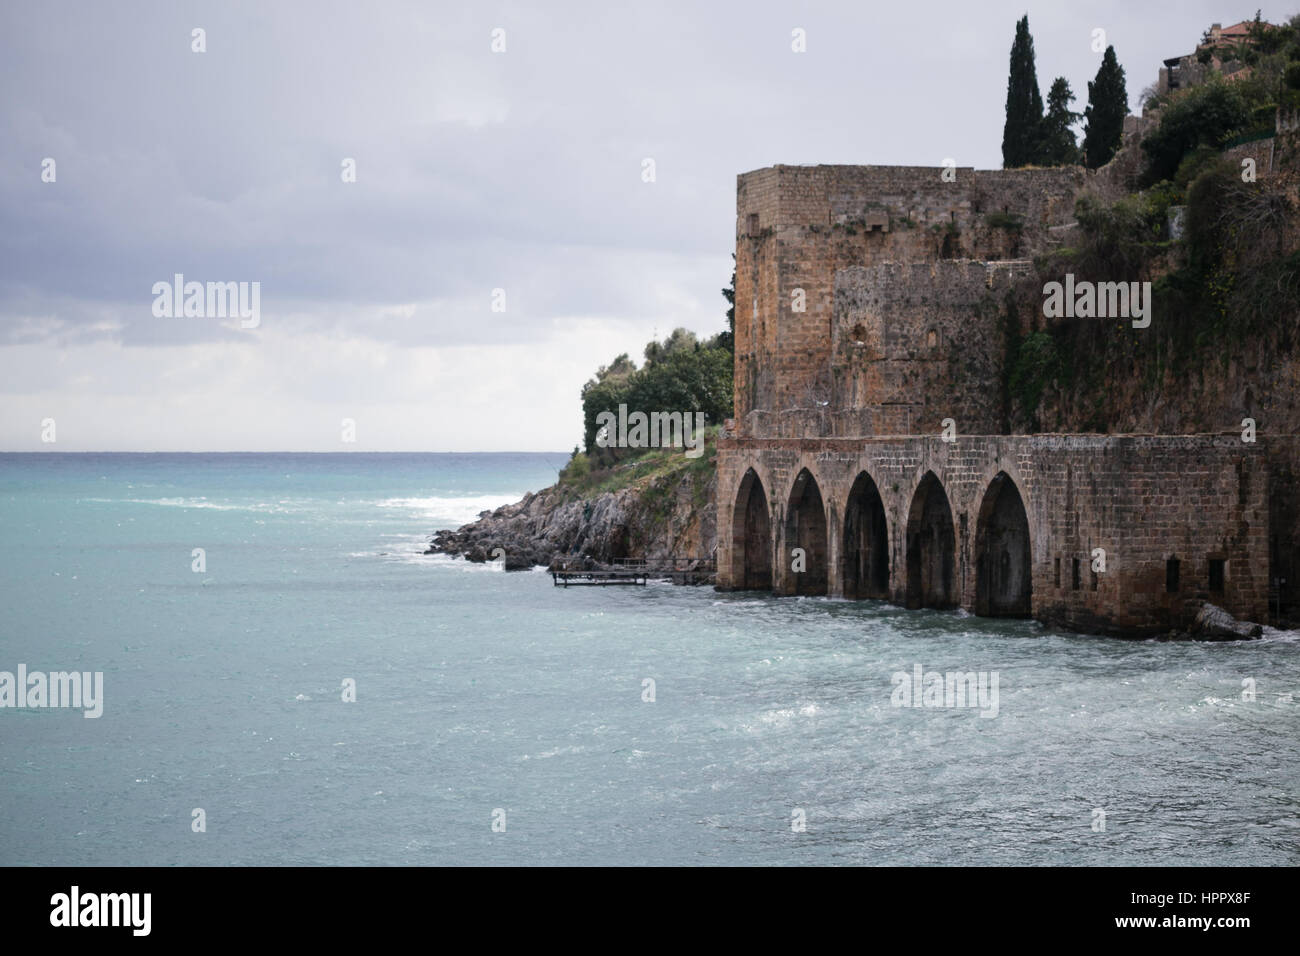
(1262, 151)
(1143, 499)
(798, 227)
(868, 311)
(915, 344)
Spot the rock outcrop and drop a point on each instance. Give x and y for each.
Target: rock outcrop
(667, 517)
(1213, 623)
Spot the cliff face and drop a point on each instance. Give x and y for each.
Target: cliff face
(665, 516)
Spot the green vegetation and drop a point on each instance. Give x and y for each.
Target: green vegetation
(1205, 116)
(1032, 138)
(727, 339)
(1230, 283)
(1005, 220)
(1221, 112)
(681, 374)
(657, 473)
(1058, 144)
(1104, 115)
(1120, 238)
(1034, 363)
(1022, 133)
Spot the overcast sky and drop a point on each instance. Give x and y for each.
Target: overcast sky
(519, 170)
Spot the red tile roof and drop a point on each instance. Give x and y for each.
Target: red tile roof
(1238, 29)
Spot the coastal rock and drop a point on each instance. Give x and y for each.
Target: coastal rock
(656, 520)
(1213, 623)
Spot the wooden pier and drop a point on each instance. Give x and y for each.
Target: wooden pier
(634, 571)
(597, 578)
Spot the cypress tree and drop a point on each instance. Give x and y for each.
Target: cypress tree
(1022, 134)
(1059, 145)
(1107, 107)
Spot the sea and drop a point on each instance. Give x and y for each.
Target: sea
(287, 679)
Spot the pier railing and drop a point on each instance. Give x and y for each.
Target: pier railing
(680, 570)
(668, 565)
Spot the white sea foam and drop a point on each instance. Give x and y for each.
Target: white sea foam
(263, 507)
(455, 511)
(456, 564)
(1274, 634)
(445, 511)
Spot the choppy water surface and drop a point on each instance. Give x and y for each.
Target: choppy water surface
(479, 690)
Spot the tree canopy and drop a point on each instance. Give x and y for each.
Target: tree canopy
(1104, 115)
(1022, 133)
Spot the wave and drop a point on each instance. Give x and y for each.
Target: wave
(264, 507)
(460, 511)
(446, 561)
(454, 511)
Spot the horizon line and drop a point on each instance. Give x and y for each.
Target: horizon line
(284, 451)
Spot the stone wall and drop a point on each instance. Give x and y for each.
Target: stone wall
(1145, 500)
(1262, 151)
(798, 227)
(914, 344)
(869, 309)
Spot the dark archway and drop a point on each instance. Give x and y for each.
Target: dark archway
(805, 527)
(864, 561)
(751, 542)
(1003, 565)
(931, 547)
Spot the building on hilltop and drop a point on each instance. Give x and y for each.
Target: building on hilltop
(1216, 53)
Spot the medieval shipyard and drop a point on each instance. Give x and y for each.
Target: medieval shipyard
(1060, 391)
(870, 454)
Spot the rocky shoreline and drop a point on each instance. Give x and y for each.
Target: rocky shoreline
(657, 520)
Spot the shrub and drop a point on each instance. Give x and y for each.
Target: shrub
(1005, 220)
(1036, 364)
(1118, 237)
(579, 467)
(1206, 116)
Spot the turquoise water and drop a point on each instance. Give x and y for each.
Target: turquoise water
(479, 691)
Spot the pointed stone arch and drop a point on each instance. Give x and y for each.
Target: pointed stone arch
(864, 559)
(751, 542)
(805, 527)
(1003, 558)
(931, 547)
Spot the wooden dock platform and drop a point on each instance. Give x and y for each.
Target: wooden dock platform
(634, 571)
(597, 578)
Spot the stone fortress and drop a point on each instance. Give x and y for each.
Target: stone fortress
(863, 333)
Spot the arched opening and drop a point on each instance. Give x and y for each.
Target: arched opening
(751, 542)
(864, 562)
(805, 527)
(1003, 566)
(931, 547)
